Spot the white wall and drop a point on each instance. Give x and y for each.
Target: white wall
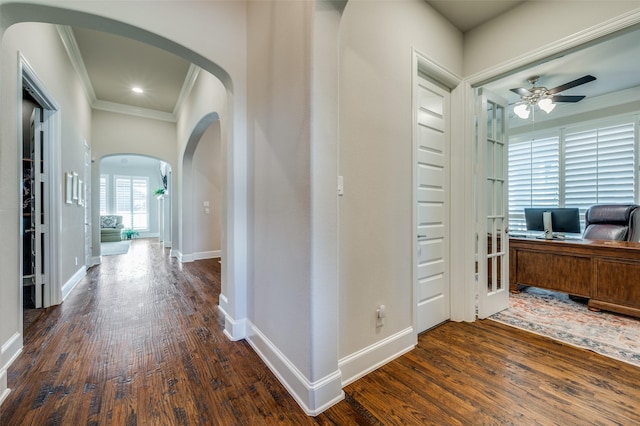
(42, 48)
(375, 158)
(511, 36)
(279, 145)
(207, 187)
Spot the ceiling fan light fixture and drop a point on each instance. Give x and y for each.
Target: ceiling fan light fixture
(522, 111)
(546, 105)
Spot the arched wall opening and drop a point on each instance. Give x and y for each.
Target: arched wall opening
(149, 216)
(234, 156)
(200, 191)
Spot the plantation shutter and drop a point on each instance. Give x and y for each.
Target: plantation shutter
(599, 167)
(140, 196)
(123, 200)
(534, 177)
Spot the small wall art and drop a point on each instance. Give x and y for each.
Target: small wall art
(80, 192)
(75, 186)
(68, 188)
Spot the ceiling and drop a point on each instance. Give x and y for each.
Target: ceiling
(112, 65)
(468, 14)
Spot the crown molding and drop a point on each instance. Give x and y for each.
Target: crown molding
(187, 86)
(71, 46)
(131, 110)
(562, 46)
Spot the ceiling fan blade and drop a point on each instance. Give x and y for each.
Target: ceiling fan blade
(521, 91)
(562, 98)
(569, 85)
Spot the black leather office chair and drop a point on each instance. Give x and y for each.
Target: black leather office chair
(610, 222)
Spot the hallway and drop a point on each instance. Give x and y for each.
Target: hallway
(139, 342)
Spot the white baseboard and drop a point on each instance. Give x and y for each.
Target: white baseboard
(313, 397)
(167, 244)
(73, 282)
(213, 254)
(9, 351)
(182, 258)
(366, 360)
(185, 258)
(4, 389)
(234, 329)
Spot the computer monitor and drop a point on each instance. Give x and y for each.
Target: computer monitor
(563, 219)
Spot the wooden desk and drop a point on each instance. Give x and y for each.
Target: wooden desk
(605, 272)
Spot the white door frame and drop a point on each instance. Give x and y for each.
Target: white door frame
(464, 109)
(53, 195)
(459, 217)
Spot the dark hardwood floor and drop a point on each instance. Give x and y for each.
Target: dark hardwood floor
(139, 342)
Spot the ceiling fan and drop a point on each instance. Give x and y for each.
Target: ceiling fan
(545, 98)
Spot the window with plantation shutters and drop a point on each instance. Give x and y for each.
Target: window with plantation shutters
(599, 166)
(534, 177)
(575, 167)
(131, 201)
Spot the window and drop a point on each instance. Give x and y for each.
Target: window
(534, 177)
(131, 201)
(599, 166)
(576, 167)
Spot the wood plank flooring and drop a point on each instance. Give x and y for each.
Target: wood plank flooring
(139, 342)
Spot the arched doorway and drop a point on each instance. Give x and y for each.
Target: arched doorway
(135, 188)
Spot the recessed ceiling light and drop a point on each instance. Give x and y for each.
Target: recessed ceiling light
(137, 89)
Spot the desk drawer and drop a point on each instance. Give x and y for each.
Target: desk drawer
(618, 282)
(569, 274)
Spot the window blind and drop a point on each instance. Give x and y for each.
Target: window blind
(599, 166)
(534, 177)
(577, 169)
(131, 199)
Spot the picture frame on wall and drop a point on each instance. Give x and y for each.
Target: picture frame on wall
(75, 186)
(68, 186)
(80, 192)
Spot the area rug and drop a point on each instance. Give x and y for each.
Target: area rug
(555, 315)
(114, 248)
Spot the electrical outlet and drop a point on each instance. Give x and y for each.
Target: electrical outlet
(76, 260)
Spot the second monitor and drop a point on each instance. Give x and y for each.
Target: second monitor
(563, 219)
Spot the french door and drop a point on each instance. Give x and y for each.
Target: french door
(491, 215)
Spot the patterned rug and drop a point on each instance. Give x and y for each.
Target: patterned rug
(556, 316)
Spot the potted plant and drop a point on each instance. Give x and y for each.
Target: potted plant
(129, 233)
(159, 193)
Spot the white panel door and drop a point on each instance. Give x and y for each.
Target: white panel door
(431, 203)
(492, 220)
